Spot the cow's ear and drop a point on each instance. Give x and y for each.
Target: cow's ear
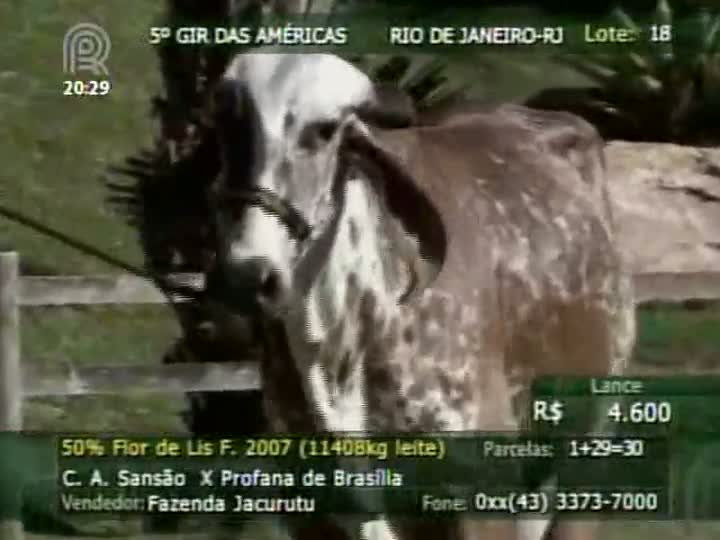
(425, 240)
(389, 108)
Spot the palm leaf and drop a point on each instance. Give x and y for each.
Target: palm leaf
(662, 88)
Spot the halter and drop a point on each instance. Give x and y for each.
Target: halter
(269, 201)
(312, 254)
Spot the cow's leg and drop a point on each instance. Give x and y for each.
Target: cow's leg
(378, 529)
(574, 530)
(590, 335)
(622, 335)
(316, 529)
(445, 529)
(342, 529)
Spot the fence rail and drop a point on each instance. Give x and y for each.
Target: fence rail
(128, 289)
(117, 378)
(677, 287)
(97, 290)
(16, 291)
(11, 396)
(19, 382)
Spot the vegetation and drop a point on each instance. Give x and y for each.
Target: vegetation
(663, 91)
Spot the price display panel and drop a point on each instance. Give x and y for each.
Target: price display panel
(637, 413)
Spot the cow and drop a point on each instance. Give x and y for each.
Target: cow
(411, 278)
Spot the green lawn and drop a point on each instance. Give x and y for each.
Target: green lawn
(56, 148)
(671, 336)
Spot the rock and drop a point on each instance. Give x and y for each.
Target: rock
(666, 200)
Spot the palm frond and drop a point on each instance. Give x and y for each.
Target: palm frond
(662, 86)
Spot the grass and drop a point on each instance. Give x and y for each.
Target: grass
(55, 150)
(671, 337)
(55, 147)
(127, 335)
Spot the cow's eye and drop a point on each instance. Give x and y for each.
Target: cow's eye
(326, 130)
(318, 133)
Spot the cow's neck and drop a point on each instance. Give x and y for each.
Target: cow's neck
(325, 336)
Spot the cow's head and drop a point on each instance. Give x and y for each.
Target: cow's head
(292, 127)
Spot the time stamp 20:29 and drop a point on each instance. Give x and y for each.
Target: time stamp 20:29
(86, 88)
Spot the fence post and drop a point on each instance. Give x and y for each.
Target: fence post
(11, 393)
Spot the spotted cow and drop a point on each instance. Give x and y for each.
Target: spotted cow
(409, 277)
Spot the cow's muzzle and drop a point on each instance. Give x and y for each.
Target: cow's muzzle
(251, 286)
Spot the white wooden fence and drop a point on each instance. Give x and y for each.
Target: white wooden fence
(18, 382)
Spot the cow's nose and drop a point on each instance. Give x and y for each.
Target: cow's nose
(255, 282)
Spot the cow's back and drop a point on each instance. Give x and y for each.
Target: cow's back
(531, 282)
(531, 270)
